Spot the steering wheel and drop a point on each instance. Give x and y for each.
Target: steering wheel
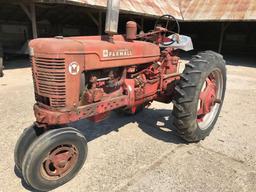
(168, 18)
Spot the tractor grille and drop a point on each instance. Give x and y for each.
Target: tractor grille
(49, 81)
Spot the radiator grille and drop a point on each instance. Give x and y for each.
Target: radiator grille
(49, 77)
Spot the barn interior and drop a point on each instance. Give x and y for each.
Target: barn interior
(231, 33)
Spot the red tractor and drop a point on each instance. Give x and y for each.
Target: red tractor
(88, 77)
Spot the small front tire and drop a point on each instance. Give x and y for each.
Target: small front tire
(54, 158)
(28, 136)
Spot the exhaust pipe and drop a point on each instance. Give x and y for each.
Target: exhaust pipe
(112, 17)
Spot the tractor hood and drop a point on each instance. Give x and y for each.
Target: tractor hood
(98, 51)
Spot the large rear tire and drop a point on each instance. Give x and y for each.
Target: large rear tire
(199, 96)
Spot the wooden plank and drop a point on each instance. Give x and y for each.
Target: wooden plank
(33, 20)
(25, 9)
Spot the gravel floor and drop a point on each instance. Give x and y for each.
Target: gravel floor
(142, 153)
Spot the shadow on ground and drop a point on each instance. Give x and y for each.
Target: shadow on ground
(154, 122)
(23, 182)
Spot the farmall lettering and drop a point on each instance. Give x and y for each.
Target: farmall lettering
(117, 53)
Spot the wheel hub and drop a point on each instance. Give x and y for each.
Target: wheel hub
(208, 97)
(60, 161)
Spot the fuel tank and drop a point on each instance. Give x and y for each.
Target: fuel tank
(97, 52)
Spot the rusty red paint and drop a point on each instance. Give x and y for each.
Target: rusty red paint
(58, 88)
(207, 98)
(131, 30)
(52, 117)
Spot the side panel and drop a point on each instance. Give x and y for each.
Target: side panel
(101, 54)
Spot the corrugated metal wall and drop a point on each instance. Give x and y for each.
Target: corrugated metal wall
(187, 10)
(219, 10)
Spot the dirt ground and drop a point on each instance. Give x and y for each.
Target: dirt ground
(142, 153)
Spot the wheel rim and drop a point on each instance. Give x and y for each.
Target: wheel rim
(59, 162)
(210, 99)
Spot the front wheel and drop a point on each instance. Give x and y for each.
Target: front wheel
(54, 158)
(28, 136)
(199, 96)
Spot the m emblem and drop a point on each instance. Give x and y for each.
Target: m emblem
(74, 68)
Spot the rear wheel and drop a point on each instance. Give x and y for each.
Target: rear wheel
(54, 158)
(199, 96)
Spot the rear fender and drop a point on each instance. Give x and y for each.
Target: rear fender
(181, 42)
